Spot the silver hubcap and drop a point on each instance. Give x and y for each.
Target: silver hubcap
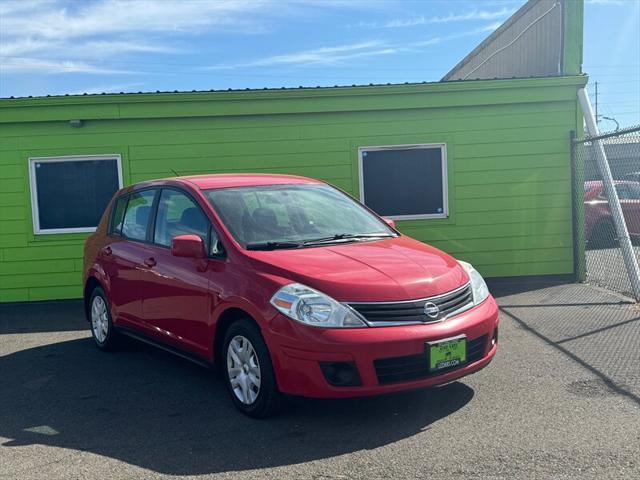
(243, 369)
(99, 319)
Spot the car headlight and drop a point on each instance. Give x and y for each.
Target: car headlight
(314, 308)
(478, 285)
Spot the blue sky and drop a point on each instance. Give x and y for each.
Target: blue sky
(67, 46)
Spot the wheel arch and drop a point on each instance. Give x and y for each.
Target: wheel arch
(225, 320)
(90, 285)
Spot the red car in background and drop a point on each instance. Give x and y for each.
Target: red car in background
(600, 230)
(287, 285)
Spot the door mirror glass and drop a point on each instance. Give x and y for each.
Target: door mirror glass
(390, 222)
(189, 246)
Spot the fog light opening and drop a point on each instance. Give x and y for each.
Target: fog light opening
(341, 374)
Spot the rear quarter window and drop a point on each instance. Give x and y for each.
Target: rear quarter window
(117, 216)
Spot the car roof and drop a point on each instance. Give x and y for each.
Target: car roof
(599, 184)
(226, 180)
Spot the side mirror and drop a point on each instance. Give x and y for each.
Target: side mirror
(390, 222)
(190, 246)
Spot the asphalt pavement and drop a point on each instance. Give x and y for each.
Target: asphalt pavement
(561, 400)
(606, 268)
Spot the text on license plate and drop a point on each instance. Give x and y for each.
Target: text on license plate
(447, 353)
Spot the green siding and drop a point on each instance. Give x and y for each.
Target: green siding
(507, 142)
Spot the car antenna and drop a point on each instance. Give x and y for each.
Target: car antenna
(175, 173)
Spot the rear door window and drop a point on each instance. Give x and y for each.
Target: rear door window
(136, 218)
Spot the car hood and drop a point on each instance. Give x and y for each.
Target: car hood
(385, 270)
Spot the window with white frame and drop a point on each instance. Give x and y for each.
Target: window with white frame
(69, 194)
(405, 181)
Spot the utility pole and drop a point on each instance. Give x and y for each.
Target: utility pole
(597, 116)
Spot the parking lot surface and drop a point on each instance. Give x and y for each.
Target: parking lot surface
(561, 400)
(606, 268)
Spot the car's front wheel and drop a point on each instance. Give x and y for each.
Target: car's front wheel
(248, 371)
(102, 331)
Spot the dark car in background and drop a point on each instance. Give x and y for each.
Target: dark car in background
(599, 226)
(632, 177)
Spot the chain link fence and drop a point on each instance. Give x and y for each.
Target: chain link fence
(599, 258)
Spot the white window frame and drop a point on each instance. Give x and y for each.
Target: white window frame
(416, 146)
(34, 188)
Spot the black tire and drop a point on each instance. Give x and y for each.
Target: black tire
(269, 399)
(111, 340)
(603, 235)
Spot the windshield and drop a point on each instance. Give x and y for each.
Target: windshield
(290, 216)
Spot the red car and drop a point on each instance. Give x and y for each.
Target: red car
(600, 230)
(287, 285)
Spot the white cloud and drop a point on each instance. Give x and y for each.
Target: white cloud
(472, 15)
(338, 54)
(122, 87)
(57, 20)
(612, 2)
(89, 49)
(43, 66)
(318, 56)
(66, 36)
(69, 36)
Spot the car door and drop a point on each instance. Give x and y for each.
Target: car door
(178, 296)
(630, 201)
(123, 257)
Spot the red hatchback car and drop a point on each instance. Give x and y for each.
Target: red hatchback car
(287, 285)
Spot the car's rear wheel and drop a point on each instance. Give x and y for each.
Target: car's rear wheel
(603, 235)
(248, 372)
(102, 331)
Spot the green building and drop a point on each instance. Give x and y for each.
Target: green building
(478, 167)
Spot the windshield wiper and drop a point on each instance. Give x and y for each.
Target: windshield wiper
(347, 236)
(273, 245)
(339, 237)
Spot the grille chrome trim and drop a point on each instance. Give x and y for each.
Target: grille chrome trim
(424, 299)
(363, 309)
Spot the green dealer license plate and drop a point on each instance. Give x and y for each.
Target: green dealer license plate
(447, 353)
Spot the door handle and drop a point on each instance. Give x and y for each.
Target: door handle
(150, 262)
(107, 250)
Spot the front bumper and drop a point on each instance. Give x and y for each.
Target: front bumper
(297, 351)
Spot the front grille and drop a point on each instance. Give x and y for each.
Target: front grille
(413, 311)
(416, 367)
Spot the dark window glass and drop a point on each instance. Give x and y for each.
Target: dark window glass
(178, 215)
(74, 194)
(407, 181)
(118, 215)
(634, 191)
(623, 192)
(136, 218)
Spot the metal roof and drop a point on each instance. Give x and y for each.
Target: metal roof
(272, 89)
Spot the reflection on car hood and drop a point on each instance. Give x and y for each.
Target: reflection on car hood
(383, 270)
